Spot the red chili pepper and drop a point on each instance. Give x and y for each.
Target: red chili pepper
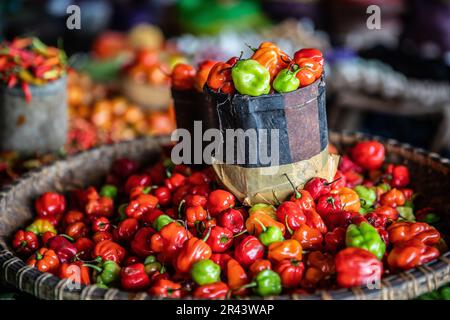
(126, 230)
(101, 224)
(135, 180)
(25, 242)
(405, 231)
(134, 278)
(26, 91)
(258, 266)
(219, 78)
(220, 239)
(387, 211)
(409, 254)
(249, 250)
(398, 175)
(341, 219)
(231, 219)
(218, 290)
(109, 250)
(100, 236)
(141, 243)
(150, 216)
(368, 154)
(179, 194)
(101, 207)
(221, 259)
(62, 247)
(163, 194)
(77, 230)
(124, 167)
(393, 198)
(195, 215)
(193, 200)
(45, 260)
(165, 288)
(175, 181)
(236, 277)
(72, 217)
(199, 178)
(84, 246)
(314, 220)
(219, 201)
(357, 267)
(291, 272)
(183, 76)
(290, 213)
(309, 238)
(76, 272)
(310, 53)
(50, 204)
(377, 220)
(335, 240)
(328, 204)
(140, 205)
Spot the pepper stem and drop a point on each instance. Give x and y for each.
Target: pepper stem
(67, 237)
(240, 233)
(276, 198)
(180, 207)
(264, 228)
(207, 234)
(287, 225)
(96, 268)
(298, 195)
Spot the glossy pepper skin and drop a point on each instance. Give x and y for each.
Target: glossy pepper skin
(195, 214)
(257, 220)
(219, 201)
(248, 251)
(161, 221)
(219, 78)
(368, 154)
(291, 272)
(258, 266)
(405, 231)
(266, 283)
(50, 205)
(357, 267)
(398, 175)
(236, 277)
(109, 250)
(272, 58)
(314, 220)
(310, 53)
(25, 242)
(205, 272)
(409, 254)
(309, 238)
(140, 205)
(134, 278)
(291, 214)
(193, 250)
(183, 76)
(349, 199)
(218, 290)
(251, 78)
(101, 224)
(166, 289)
(220, 239)
(232, 220)
(286, 81)
(202, 74)
(64, 249)
(41, 226)
(169, 241)
(366, 195)
(366, 237)
(393, 198)
(141, 243)
(304, 199)
(45, 260)
(287, 249)
(109, 275)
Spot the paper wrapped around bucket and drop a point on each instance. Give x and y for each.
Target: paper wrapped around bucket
(301, 121)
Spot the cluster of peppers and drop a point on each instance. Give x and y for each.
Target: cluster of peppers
(167, 230)
(28, 61)
(268, 70)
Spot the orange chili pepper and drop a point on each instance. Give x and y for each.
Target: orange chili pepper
(45, 260)
(237, 277)
(202, 74)
(166, 289)
(193, 250)
(405, 231)
(169, 241)
(75, 271)
(393, 198)
(349, 199)
(258, 266)
(219, 78)
(409, 254)
(272, 58)
(309, 238)
(287, 249)
(254, 227)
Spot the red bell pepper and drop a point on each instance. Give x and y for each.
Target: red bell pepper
(136, 180)
(193, 250)
(405, 231)
(50, 205)
(25, 242)
(219, 201)
(134, 278)
(232, 220)
(220, 239)
(309, 238)
(65, 249)
(165, 288)
(291, 272)
(249, 250)
(143, 203)
(169, 241)
(218, 290)
(409, 254)
(126, 230)
(368, 154)
(141, 243)
(101, 224)
(291, 215)
(109, 250)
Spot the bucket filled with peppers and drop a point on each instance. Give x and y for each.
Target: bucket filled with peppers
(33, 107)
(169, 231)
(284, 98)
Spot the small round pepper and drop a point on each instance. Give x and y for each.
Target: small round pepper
(365, 236)
(205, 272)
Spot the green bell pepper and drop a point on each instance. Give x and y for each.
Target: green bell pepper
(365, 236)
(366, 195)
(108, 275)
(162, 221)
(251, 78)
(152, 265)
(40, 226)
(269, 234)
(286, 81)
(266, 283)
(205, 272)
(109, 191)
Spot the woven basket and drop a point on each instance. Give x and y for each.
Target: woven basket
(430, 176)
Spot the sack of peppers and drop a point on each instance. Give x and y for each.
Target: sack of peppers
(168, 230)
(29, 62)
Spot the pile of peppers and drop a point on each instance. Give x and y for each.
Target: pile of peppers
(268, 70)
(168, 230)
(28, 61)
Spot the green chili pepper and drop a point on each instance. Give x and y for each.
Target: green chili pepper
(266, 283)
(384, 186)
(109, 191)
(251, 78)
(121, 210)
(429, 218)
(269, 234)
(365, 236)
(366, 195)
(406, 214)
(152, 265)
(109, 273)
(161, 221)
(205, 272)
(40, 226)
(286, 81)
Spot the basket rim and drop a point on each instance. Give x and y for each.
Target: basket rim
(424, 278)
